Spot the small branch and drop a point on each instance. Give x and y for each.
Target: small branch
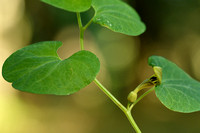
(140, 98)
(88, 24)
(110, 95)
(79, 20)
(81, 30)
(125, 110)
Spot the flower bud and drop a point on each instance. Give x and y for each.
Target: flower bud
(132, 96)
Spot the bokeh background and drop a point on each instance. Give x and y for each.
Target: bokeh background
(173, 31)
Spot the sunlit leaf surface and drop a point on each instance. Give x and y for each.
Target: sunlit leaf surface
(38, 69)
(117, 16)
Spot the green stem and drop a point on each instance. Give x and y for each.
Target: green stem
(125, 110)
(131, 120)
(110, 95)
(140, 98)
(88, 24)
(81, 30)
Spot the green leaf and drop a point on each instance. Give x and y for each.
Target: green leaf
(117, 16)
(70, 5)
(38, 69)
(177, 91)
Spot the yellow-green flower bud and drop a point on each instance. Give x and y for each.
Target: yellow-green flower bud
(158, 72)
(132, 96)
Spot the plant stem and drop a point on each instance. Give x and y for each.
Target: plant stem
(88, 24)
(81, 30)
(125, 110)
(110, 95)
(140, 98)
(131, 120)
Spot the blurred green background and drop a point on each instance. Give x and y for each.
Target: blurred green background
(173, 31)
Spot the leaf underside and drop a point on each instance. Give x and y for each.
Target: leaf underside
(177, 91)
(38, 69)
(117, 16)
(70, 5)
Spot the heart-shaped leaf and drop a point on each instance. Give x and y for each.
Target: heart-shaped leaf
(38, 69)
(117, 16)
(70, 5)
(177, 91)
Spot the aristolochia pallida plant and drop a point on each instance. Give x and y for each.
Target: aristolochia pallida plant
(38, 69)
